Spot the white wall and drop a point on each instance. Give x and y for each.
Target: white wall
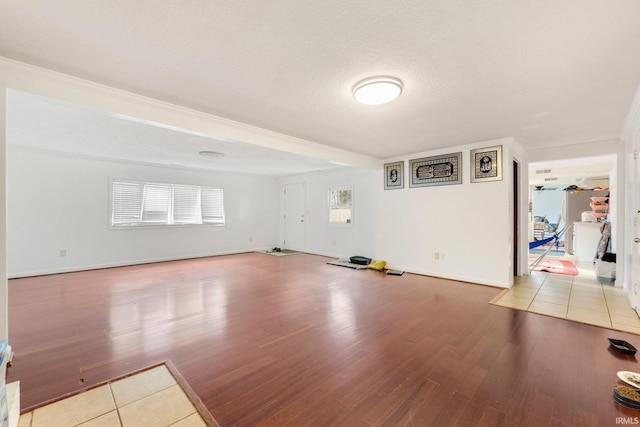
(60, 202)
(469, 223)
(339, 240)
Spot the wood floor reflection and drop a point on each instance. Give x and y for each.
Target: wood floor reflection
(289, 341)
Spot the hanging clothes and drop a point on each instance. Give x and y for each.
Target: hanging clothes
(605, 240)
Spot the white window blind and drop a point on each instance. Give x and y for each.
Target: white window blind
(155, 203)
(185, 205)
(127, 203)
(212, 206)
(136, 203)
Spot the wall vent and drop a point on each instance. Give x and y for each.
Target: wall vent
(541, 171)
(550, 179)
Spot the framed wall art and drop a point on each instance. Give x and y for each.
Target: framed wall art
(486, 164)
(436, 170)
(394, 175)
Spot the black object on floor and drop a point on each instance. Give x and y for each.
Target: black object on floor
(347, 264)
(395, 272)
(360, 260)
(622, 346)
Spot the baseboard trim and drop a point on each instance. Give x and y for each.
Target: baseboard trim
(121, 264)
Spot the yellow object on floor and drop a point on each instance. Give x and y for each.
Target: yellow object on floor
(377, 265)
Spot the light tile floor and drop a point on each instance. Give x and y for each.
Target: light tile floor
(579, 298)
(151, 398)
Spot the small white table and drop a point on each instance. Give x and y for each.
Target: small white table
(586, 236)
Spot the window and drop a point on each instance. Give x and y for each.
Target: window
(156, 200)
(185, 205)
(340, 205)
(212, 206)
(136, 203)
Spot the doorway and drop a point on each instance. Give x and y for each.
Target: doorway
(561, 201)
(516, 215)
(561, 195)
(294, 217)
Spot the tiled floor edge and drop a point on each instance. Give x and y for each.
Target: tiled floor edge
(91, 387)
(192, 396)
(500, 295)
(612, 328)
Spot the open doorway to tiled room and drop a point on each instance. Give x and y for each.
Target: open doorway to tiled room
(580, 298)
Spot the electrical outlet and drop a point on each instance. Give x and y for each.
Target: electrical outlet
(63, 252)
(250, 238)
(442, 257)
(334, 243)
(436, 255)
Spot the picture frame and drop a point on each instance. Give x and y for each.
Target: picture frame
(445, 169)
(394, 176)
(486, 164)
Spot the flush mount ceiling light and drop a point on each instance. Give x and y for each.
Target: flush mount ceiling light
(377, 90)
(210, 155)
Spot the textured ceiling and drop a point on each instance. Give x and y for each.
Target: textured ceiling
(545, 72)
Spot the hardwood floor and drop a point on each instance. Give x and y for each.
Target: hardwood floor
(292, 341)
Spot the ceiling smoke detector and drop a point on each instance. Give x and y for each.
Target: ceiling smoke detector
(210, 155)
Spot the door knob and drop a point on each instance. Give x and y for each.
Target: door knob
(637, 240)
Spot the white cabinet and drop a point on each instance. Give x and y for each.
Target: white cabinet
(586, 236)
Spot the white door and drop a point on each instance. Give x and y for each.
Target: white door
(294, 217)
